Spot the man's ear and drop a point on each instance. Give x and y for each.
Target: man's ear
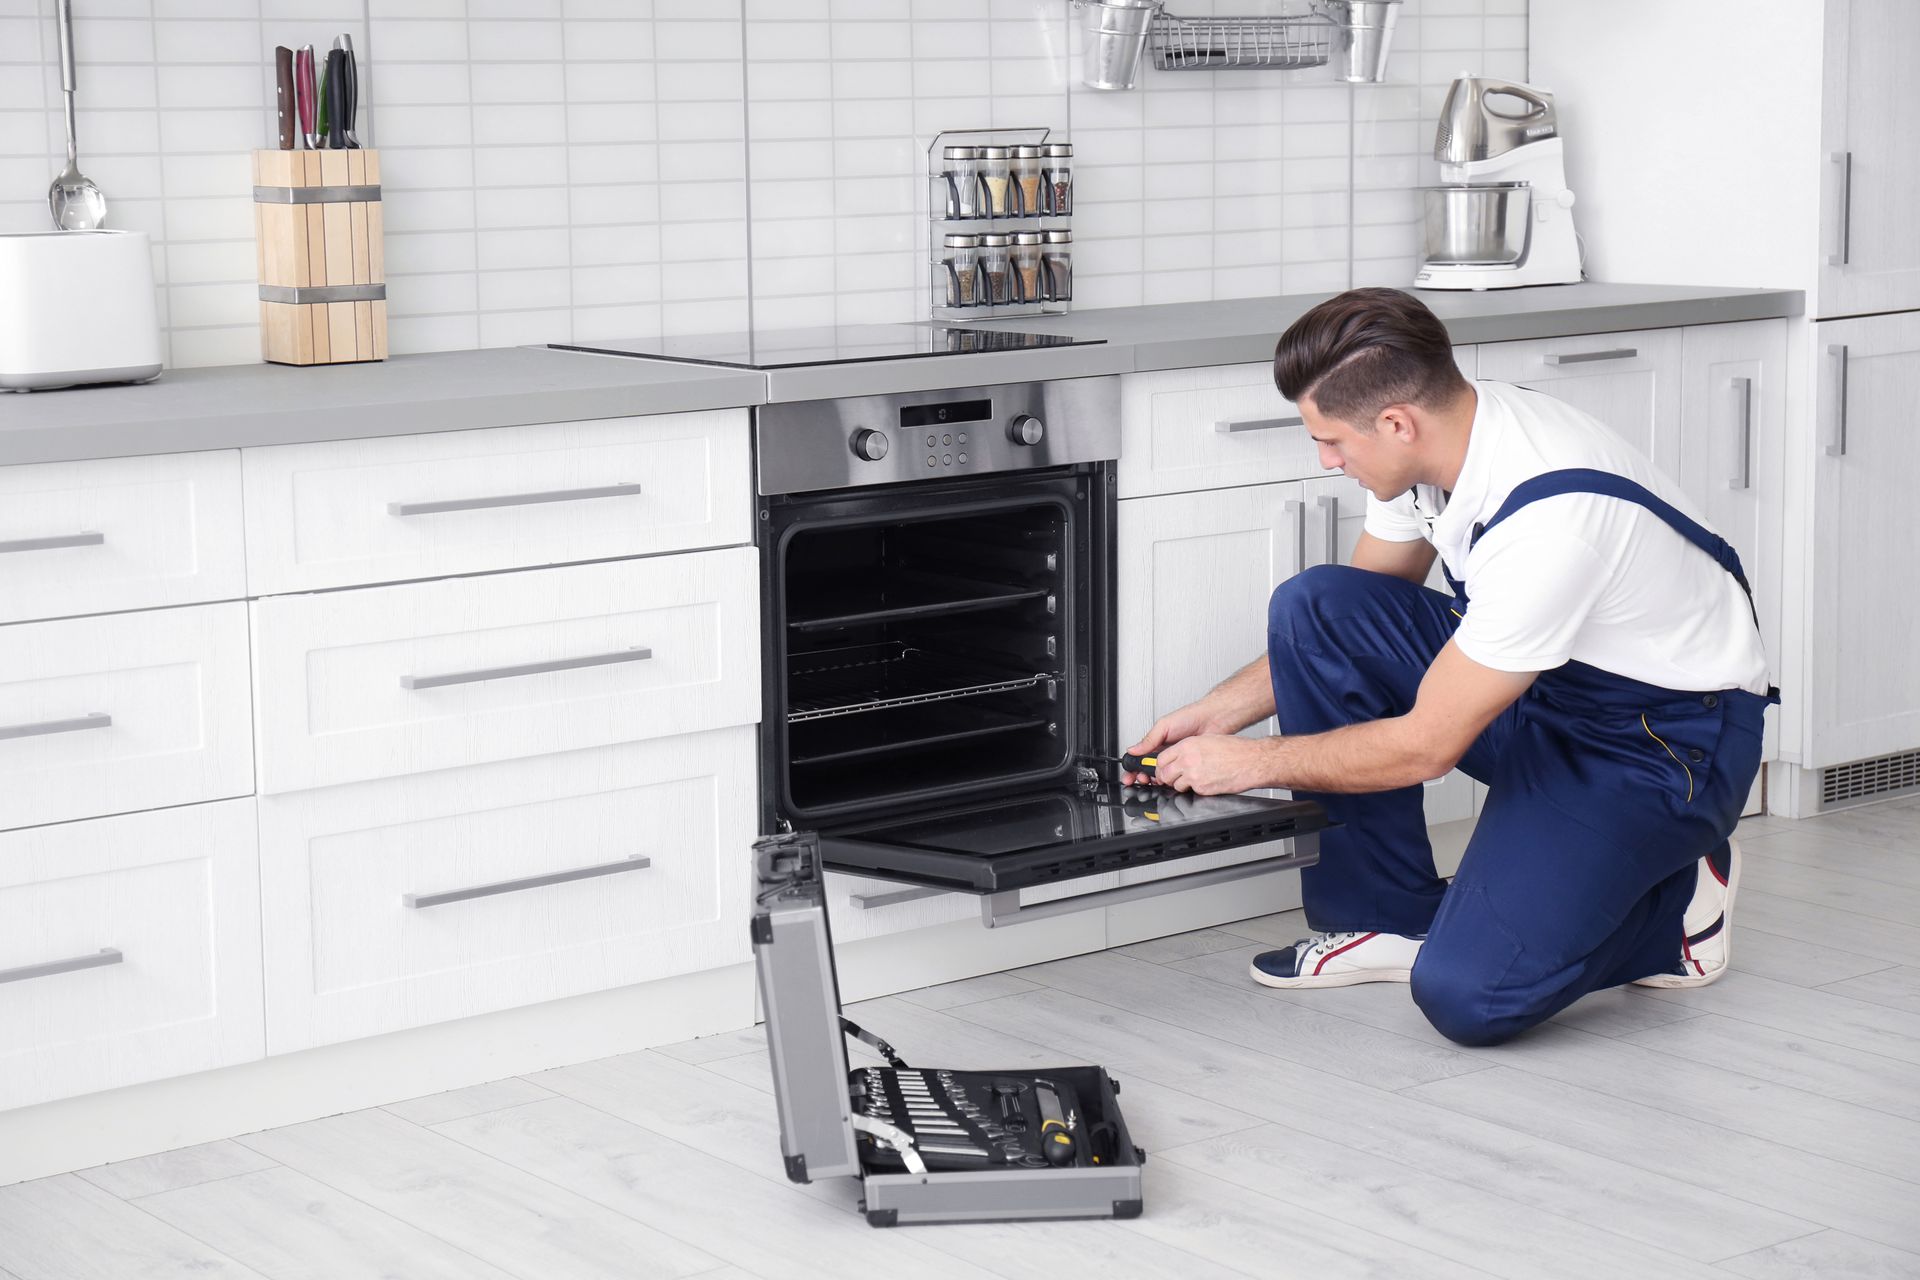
(1397, 421)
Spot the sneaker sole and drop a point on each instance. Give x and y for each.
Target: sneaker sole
(1683, 981)
(1352, 978)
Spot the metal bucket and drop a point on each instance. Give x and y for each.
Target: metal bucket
(1366, 37)
(1477, 225)
(1116, 32)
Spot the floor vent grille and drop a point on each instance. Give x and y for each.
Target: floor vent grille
(1865, 779)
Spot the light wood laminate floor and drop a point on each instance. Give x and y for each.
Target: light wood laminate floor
(1765, 1127)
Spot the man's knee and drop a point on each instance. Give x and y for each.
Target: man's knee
(1298, 604)
(1458, 1000)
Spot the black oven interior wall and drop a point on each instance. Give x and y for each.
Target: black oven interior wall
(927, 641)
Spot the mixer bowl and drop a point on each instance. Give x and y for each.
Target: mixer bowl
(1481, 225)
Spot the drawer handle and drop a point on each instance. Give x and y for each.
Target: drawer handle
(1298, 510)
(1330, 519)
(418, 900)
(104, 956)
(1837, 442)
(1743, 442)
(870, 901)
(92, 720)
(525, 669)
(1257, 424)
(58, 540)
(1845, 160)
(511, 500)
(1588, 357)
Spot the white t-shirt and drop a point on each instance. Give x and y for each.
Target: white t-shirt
(1577, 576)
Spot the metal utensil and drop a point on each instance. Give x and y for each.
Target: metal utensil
(76, 202)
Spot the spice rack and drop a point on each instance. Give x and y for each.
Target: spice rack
(1000, 228)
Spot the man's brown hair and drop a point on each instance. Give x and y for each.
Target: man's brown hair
(1357, 353)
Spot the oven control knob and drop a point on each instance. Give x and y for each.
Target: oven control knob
(869, 445)
(1027, 429)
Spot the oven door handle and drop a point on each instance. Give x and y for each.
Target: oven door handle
(1004, 908)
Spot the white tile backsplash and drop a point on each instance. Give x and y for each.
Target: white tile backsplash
(593, 169)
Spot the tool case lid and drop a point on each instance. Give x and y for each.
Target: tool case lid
(793, 961)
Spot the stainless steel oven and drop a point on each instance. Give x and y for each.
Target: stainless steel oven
(937, 590)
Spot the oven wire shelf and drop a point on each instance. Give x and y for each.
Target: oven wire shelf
(843, 682)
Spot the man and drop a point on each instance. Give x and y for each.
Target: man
(1598, 667)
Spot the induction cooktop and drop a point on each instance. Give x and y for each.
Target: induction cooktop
(792, 348)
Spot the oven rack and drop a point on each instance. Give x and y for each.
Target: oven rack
(904, 595)
(837, 739)
(840, 682)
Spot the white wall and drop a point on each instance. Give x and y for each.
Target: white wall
(574, 169)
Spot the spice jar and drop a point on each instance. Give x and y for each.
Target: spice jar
(962, 262)
(1026, 182)
(1057, 171)
(996, 178)
(1026, 266)
(996, 262)
(961, 177)
(1056, 264)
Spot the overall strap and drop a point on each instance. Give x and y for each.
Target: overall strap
(1611, 485)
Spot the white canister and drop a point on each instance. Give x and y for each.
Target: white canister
(77, 307)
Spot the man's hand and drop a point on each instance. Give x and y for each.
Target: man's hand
(1214, 764)
(1175, 726)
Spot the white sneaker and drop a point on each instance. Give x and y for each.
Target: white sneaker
(1338, 960)
(1706, 944)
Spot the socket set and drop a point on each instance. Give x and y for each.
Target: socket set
(972, 1119)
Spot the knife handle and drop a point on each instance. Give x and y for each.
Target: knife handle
(283, 94)
(336, 91)
(305, 94)
(351, 112)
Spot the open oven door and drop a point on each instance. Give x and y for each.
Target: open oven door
(998, 844)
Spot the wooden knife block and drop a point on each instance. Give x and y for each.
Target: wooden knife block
(318, 229)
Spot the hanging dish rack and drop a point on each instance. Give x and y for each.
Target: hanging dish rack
(1356, 34)
(1294, 42)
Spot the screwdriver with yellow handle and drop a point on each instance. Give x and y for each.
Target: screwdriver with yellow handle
(1056, 1138)
(1140, 764)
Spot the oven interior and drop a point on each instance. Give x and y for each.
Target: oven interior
(924, 653)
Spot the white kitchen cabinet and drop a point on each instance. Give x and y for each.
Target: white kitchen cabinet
(130, 950)
(1185, 430)
(123, 711)
(1869, 119)
(115, 534)
(432, 675)
(1865, 576)
(1629, 381)
(347, 512)
(407, 901)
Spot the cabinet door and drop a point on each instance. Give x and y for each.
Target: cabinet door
(1863, 688)
(1869, 254)
(1629, 381)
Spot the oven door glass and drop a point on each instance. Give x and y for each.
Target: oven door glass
(1002, 842)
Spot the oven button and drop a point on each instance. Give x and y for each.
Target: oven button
(869, 445)
(946, 459)
(963, 457)
(1026, 429)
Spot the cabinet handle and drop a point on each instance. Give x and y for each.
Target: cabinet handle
(418, 900)
(1257, 424)
(1845, 160)
(58, 540)
(524, 669)
(1330, 513)
(869, 901)
(1837, 443)
(92, 720)
(1298, 510)
(511, 500)
(1743, 441)
(104, 956)
(1588, 357)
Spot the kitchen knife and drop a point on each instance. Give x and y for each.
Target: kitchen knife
(306, 95)
(283, 94)
(320, 100)
(352, 113)
(336, 98)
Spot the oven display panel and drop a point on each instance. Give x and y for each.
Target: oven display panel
(938, 415)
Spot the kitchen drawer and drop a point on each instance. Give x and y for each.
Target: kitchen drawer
(1629, 381)
(123, 712)
(1190, 429)
(433, 675)
(409, 901)
(360, 511)
(130, 950)
(120, 533)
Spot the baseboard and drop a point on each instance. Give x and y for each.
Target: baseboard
(140, 1120)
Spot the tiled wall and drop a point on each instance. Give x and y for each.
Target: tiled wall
(563, 170)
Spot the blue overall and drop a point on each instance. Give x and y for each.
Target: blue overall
(1605, 793)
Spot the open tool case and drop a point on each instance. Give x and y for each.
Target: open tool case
(928, 1145)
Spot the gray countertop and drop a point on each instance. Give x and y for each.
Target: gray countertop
(247, 405)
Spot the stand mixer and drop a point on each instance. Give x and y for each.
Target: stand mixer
(1504, 216)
